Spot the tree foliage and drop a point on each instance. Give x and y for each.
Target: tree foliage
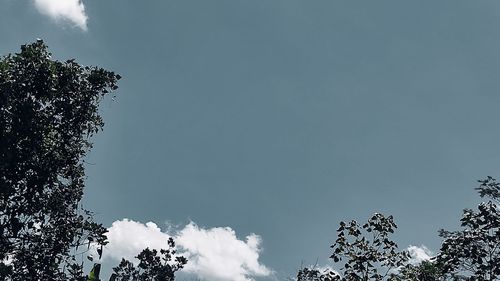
(473, 253)
(152, 265)
(367, 252)
(48, 112)
(423, 271)
(314, 274)
(489, 188)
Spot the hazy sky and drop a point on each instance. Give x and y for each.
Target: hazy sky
(256, 126)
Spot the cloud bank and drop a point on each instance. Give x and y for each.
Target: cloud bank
(214, 254)
(64, 10)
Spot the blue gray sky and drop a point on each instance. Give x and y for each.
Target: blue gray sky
(249, 129)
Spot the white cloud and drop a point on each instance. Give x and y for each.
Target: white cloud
(64, 10)
(213, 253)
(217, 254)
(419, 254)
(127, 238)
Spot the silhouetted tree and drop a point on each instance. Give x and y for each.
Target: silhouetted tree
(366, 251)
(473, 253)
(152, 266)
(424, 271)
(48, 111)
(490, 188)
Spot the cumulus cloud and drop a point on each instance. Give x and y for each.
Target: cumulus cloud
(127, 238)
(213, 253)
(217, 254)
(64, 10)
(419, 254)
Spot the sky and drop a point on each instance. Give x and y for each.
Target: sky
(248, 129)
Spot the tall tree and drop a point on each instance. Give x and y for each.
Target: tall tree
(48, 112)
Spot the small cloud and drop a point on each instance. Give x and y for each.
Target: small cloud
(214, 254)
(64, 10)
(419, 254)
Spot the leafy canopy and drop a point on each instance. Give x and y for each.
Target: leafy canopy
(473, 253)
(152, 266)
(48, 112)
(366, 252)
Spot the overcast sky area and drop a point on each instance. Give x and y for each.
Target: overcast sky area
(248, 129)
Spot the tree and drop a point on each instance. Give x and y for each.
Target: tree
(48, 112)
(151, 265)
(490, 188)
(314, 274)
(474, 252)
(366, 251)
(424, 271)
